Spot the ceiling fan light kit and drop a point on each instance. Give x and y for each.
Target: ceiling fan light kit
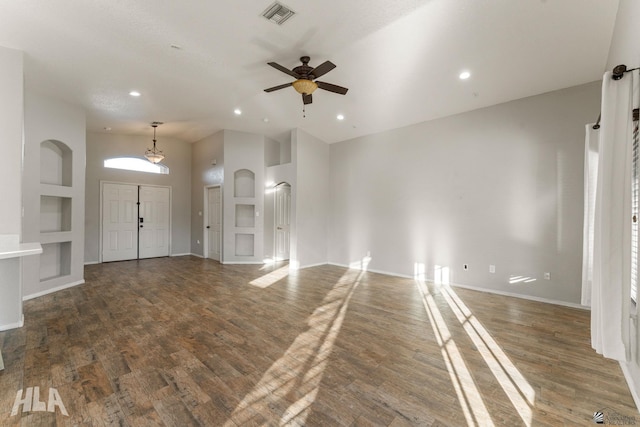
(303, 86)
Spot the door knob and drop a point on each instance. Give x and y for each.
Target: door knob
(279, 228)
(208, 226)
(141, 225)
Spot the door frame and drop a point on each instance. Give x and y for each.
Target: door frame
(205, 219)
(102, 182)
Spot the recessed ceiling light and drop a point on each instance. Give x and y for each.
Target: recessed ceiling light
(340, 117)
(134, 93)
(237, 111)
(266, 120)
(464, 75)
(107, 129)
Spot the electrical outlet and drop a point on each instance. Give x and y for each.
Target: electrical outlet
(492, 268)
(465, 266)
(547, 276)
(198, 241)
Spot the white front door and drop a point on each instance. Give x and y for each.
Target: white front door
(214, 225)
(119, 222)
(154, 222)
(283, 221)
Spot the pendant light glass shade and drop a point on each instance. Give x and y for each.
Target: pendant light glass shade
(154, 155)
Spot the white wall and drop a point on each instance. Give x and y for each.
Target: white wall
(11, 116)
(626, 33)
(204, 173)
(51, 119)
(312, 198)
(501, 185)
(625, 49)
(11, 111)
(101, 146)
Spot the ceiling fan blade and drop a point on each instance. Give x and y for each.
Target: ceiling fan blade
(284, 70)
(322, 69)
(332, 88)
(271, 89)
(307, 99)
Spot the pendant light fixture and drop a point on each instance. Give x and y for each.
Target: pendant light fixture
(153, 154)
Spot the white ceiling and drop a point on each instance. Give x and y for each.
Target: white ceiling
(400, 59)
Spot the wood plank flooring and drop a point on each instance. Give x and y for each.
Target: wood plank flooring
(185, 342)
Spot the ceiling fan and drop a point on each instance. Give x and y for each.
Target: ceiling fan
(305, 76)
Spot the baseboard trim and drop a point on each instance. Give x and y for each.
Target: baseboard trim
(185, 254)
(311, 265)
(8, 326)
(522, 296)
(479, 289)
(92, 262)
(242, 262)
(631, 383)
(387, 273)
(52, 290)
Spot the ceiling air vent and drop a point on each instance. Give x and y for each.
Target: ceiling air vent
(278, 13)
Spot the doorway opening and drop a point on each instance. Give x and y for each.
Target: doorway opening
(136, 221)
(213, 223)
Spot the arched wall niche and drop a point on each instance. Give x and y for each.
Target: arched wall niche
(56, 163)
(244, 183)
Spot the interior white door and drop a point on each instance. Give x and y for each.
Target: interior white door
(154, 222)
(119, 222)
(283, 221)
(214, 224)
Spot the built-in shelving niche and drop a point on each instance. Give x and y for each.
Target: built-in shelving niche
(244, 183)
(55, 163)
(56, 190)
(55, 214)
(245, 215)
(55, 260)
(244, 244)
(244, 191)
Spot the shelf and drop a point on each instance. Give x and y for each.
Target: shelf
(56, 237)
(55, 190)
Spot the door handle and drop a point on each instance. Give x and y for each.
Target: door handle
(279, 228)
(141, 225)
(208, 226)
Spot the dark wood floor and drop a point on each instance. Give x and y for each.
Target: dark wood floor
(185, 341)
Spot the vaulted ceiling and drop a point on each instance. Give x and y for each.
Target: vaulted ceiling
(195, 61)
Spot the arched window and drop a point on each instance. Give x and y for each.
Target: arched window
(136, 164)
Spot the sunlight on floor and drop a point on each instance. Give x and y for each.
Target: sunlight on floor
(271, 278)
(512, 382)
(515, 386)
(293, 381)
(473, 407)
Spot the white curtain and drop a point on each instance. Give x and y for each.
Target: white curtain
(611, 287)
(591, 144)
